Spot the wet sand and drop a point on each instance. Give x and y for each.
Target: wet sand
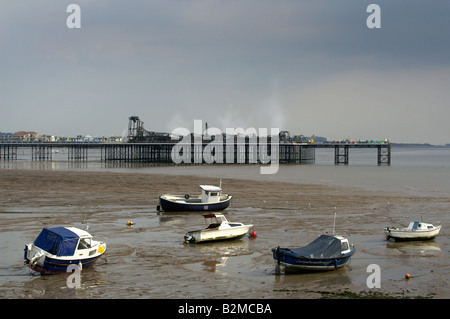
(149, 259)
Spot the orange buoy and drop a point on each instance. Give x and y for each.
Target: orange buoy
(407, 276)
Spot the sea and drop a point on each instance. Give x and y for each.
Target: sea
(413, 170)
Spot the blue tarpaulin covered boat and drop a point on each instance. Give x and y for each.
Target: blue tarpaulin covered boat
(57, 248)
(324, 253)
(59, 241)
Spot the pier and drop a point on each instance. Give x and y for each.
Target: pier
(243, 153)
(341, 151)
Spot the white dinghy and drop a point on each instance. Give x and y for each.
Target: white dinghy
(220, 229)
(415, 231)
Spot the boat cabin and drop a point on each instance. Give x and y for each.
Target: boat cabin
(63, 241)
(419, 226)
(210, 194)
(215, 220)
(345, 245)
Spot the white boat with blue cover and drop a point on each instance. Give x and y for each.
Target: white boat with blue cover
(211, 199)
(324, 253)
(57, 248)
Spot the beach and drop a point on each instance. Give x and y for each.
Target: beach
(150, 260)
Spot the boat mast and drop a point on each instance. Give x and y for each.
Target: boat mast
(334, 221)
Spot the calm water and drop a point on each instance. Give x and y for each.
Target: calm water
(418, 170)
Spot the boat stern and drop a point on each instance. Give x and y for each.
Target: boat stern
(192, 237)
(387, 232)
(33, 256)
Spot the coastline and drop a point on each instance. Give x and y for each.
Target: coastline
(158, 265)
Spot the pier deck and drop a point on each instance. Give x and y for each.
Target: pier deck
(288, 153)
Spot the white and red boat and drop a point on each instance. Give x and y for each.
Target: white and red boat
(218, 229)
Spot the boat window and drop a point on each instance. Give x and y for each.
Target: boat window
(344, 245)
(214, 194)
(429, 227)
(84, 243)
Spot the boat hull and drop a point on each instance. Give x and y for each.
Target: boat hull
(53, 266)
(209, 235)
(411, 235)
(184, 205)
(298, 263)
(50, 264)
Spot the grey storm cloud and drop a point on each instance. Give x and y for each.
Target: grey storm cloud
(305, 66)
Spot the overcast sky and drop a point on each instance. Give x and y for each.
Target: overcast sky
(309, 67)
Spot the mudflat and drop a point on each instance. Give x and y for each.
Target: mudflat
(150, 260)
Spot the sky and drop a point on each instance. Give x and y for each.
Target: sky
(308, 67)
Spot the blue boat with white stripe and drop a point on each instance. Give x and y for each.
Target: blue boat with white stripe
(55, 249)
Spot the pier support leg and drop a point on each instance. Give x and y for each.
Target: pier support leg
(8, 152)
(341, 154)
(41, 152)
(384, 154)
(77, 153)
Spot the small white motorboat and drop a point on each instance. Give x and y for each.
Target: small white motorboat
(218, 229)
(55, 249)
(415, 231)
